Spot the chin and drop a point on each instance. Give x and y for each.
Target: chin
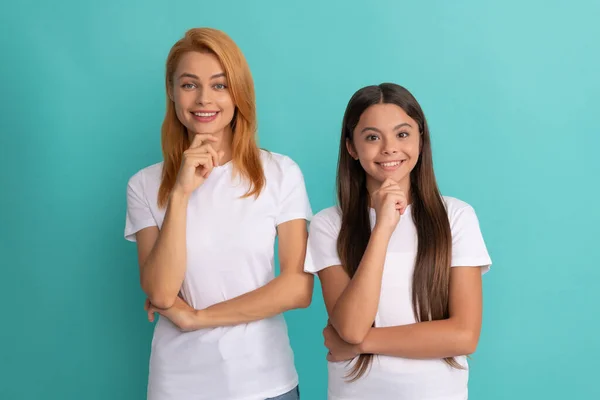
(395, 177)
(206, 129)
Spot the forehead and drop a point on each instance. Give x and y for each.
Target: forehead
(203, 65)
(384, 117)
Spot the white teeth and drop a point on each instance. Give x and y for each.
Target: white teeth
(390, 164)
(200, 114)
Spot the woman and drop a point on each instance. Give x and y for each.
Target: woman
(205, 222)
(400, 266)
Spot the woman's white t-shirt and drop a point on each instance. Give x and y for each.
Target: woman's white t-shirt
(392, 378)
(230, 251)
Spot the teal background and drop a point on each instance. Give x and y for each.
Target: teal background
(511, 91)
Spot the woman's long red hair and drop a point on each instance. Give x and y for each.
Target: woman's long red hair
(175, 139)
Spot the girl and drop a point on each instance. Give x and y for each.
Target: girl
(205, 221)
(400, 266)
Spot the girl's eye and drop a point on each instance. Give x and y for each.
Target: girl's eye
(370, 138)
(220, 86)
(188, 86)
(403, 134)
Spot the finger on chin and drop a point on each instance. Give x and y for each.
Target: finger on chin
(388, 182)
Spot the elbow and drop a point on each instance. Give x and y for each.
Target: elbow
(468, 342)
(470, 347)
(162, 299)
(160, 295)
(304, 302)
(303, 299)
(353, 337)
(300, 295)
(352, 334)
(350, 331)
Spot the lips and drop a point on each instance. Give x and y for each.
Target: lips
(390, 165)
(204, 115)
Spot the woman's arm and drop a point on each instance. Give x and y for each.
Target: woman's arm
(291, 289)
(162, 254)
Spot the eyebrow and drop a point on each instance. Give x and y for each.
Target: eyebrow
(371, 128)
(188, 75)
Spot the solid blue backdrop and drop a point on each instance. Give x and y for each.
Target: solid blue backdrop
(511, 92)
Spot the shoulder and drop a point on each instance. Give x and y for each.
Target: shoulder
(459, 211)
(328, 219)
(454, 205)
(149, 176)
(277, 163)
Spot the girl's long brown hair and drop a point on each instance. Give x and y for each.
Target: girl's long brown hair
(175, 140)
(432, 266)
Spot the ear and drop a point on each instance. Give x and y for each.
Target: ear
(170, 91)
(351, 149)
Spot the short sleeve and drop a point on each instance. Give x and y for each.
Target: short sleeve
(138, 214)
(293, 200)
(468, 246)
(321, 251)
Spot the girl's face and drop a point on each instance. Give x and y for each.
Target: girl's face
(202, 99)
(387, 143)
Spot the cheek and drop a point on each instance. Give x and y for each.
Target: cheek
(413, 149)
(366, 153)
(226, 103)
(415, 152)
(179, 110)
(182, 101)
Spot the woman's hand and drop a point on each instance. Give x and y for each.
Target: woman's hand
(197, 163)
(181, 314)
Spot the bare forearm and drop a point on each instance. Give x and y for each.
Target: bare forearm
(432, 339)
(164, 270)
(284, 293)
(355, 309)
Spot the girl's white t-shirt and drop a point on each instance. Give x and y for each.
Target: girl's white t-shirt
(230, 251)
(392, 378)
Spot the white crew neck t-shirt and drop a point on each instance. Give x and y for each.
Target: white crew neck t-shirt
(392, 378)
(230, 251)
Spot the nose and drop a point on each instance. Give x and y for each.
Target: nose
(203, 96)
(390, 147)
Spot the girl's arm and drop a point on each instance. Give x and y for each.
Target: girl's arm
(458, 335)
(352, 303)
